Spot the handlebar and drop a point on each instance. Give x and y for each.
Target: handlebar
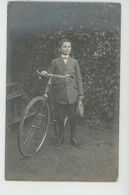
(54, 75)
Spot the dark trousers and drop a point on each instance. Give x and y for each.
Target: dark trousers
(63, 110)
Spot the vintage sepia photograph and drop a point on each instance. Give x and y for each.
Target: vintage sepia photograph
(63, 91)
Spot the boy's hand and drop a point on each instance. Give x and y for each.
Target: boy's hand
(44, 73)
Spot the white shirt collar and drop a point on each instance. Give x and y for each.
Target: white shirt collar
(64, 56)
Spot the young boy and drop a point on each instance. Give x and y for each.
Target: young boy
(67, 91)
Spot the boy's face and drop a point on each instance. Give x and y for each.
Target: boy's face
(65, 48)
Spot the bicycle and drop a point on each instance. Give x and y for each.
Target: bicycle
(35, 121)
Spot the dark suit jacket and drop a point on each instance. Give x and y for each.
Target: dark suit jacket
(66, 90)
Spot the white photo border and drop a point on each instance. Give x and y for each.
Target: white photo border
(121, 187)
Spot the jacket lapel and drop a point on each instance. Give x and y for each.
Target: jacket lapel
(65, 65)
(61, 62)
(68, 64)
(69, 61)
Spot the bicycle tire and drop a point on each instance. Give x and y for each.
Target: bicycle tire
(35, 120)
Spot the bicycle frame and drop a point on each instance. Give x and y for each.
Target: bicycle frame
(48, 88)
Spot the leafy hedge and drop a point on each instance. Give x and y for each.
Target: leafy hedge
(98, 56)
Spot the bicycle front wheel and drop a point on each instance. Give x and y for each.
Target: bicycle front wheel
(34, 126)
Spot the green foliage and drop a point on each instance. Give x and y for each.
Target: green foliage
(98, 56)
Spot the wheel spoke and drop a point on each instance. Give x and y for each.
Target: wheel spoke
(28, 139)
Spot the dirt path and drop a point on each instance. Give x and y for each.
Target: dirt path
(97, 160)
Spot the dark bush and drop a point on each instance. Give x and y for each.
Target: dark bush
(98, 56)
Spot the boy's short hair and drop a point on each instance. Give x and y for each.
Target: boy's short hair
(62, 41)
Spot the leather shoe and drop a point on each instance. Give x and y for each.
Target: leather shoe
(73, 142)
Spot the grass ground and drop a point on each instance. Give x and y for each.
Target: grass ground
(97, 160)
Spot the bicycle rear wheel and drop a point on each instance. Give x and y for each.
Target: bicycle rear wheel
(34, 126)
